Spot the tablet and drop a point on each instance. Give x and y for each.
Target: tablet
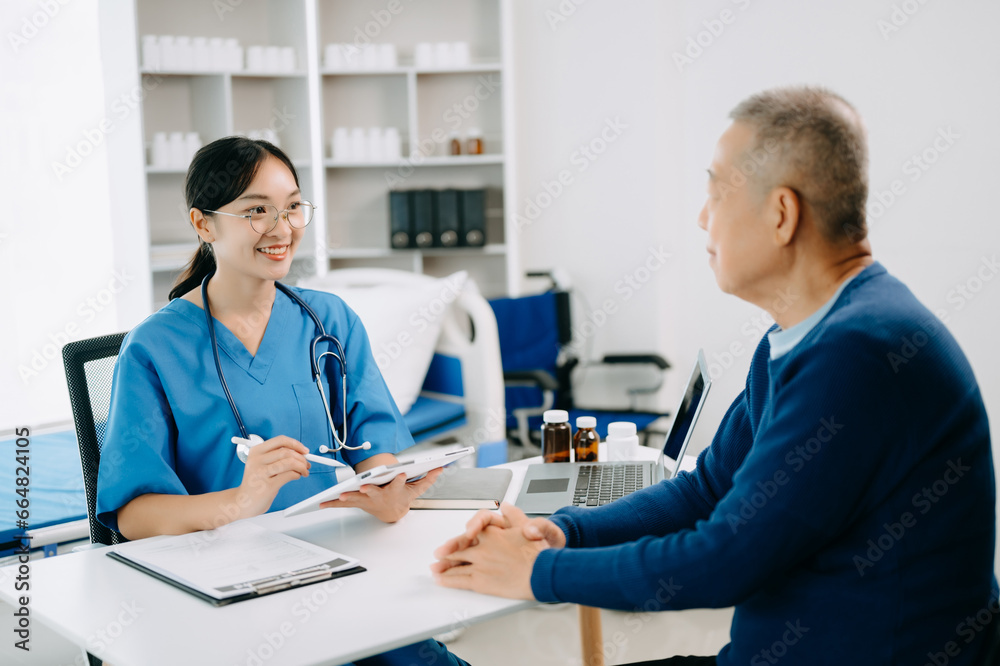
(380, 476)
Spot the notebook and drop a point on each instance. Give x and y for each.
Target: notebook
(551, 486)
(466, 488)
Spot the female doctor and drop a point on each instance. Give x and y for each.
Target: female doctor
(168, 465)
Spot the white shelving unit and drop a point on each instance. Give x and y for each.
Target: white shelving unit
(304, 107)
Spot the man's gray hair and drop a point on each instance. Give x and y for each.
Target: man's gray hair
(821, 154)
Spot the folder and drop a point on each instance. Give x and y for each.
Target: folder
(235, 562)
(400, 220)
(473, 233)
(423, 217)
(449, 203)
(466, 488)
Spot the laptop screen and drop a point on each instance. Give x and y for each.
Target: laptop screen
(687, 412)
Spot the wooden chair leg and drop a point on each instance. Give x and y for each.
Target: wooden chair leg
(590, 636)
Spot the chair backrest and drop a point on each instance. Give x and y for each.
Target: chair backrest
(89, 370)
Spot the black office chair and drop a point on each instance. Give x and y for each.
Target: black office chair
(90, 367)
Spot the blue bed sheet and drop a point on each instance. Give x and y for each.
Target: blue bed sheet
(55, 490)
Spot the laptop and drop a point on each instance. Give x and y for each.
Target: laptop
(551, 486)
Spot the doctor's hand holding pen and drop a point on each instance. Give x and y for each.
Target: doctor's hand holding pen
(496, 553)
(274, 462)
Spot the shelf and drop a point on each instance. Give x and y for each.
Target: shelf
(458, 160)
(407, 69)
(170, 256)
(307, 105)
(496, 249)
(152, 170)
(243, 73)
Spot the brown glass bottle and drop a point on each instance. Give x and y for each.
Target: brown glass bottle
(556, 436)
(586, 439)
(474, 142)
(455, 144)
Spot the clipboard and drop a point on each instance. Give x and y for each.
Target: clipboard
(235, 562)
(262, 588)
(414, 468)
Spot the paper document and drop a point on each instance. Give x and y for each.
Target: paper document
(234, 559)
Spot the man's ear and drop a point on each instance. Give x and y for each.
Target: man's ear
(201, 225)
(786, 211)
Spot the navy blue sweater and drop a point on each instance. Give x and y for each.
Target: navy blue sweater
(845, 506)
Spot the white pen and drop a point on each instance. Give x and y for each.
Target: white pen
(243, 448)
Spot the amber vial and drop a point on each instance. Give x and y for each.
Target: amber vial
(474, 142)
(556, 436)
(586, 439)
(455, 144)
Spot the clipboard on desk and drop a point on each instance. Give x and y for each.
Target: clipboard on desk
(235, 562)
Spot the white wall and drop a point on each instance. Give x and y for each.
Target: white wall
(937, 71)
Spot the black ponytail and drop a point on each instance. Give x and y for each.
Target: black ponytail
(219, 173)
(201, 264)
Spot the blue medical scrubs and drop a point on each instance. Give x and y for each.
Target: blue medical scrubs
(170, 425)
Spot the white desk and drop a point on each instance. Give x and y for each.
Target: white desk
(129, 618)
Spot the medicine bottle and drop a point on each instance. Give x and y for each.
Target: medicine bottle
(454, 144)
(623, 443)
(474, 141)
(556, 436)
(586, 439)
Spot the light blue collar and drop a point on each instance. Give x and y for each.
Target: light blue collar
(783, 341)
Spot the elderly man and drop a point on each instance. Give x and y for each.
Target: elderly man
(846, 504)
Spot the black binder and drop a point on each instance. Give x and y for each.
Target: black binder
(423, 217)
(449, 203)
(400, 220)
(473, 229)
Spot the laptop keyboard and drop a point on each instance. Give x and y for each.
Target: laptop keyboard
(597, 485)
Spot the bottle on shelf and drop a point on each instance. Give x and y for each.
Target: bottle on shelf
(391, 144)
(454, 144)
(586, 439)
(623, 443)
(423, 55)
(460, 54)
(474, 141)
(376, 144)
(151, 52)
(556, 436)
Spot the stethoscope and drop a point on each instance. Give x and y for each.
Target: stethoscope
(249, 440)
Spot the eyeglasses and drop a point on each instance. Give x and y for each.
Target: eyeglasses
(264, 217)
